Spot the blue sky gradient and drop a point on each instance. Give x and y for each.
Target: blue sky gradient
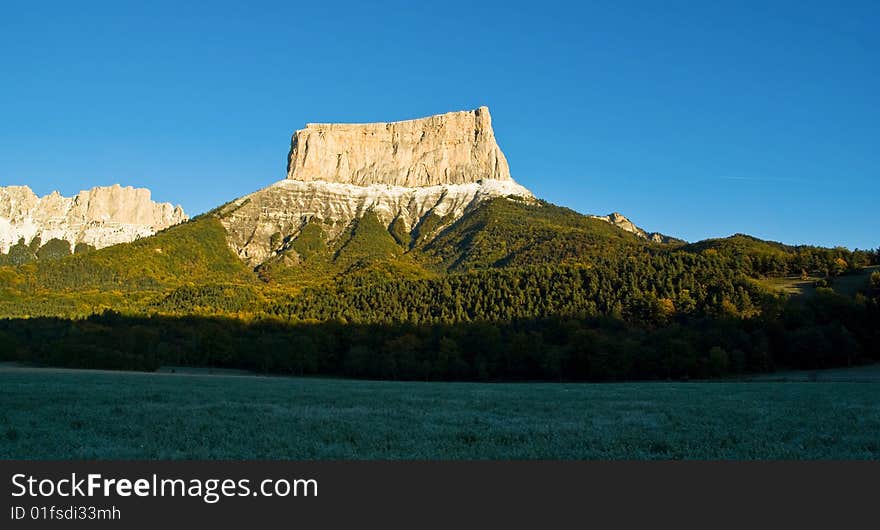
(696, 119)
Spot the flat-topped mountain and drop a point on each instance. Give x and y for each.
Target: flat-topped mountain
(404, 173)
(99, 217)
(416, 177)
(451, 148)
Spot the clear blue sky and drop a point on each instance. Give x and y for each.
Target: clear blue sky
(697, 119)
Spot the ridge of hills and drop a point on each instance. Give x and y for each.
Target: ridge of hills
(499, 234)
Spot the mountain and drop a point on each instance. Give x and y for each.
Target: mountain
(99, 217)
(411, 175)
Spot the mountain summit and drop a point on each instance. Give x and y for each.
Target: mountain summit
(451, 148)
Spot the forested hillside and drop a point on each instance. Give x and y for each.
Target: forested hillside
(121, 277)
(512, 290)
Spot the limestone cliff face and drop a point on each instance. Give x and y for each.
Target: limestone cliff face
(452, 148)
(258, 225)
(100, 217)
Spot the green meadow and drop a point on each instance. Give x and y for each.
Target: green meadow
(70, 414)
(847, 285)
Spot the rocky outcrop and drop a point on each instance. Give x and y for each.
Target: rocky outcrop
(620, 221)
(260, 224)
(452, 148)
(99, 217)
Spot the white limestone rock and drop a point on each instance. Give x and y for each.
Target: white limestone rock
(622, 222)
(285, 207)
(452, 148)
(100, 217)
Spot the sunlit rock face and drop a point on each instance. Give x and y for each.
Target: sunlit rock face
(259, 223)
(451, 148)
(402, 171)
(99, 217)
(622, 222)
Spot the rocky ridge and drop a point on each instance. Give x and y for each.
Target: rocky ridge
(261, 224)
(99, 217)
(622, 222)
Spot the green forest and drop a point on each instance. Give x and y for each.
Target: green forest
(511, 291)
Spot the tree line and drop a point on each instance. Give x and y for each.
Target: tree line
(824, 330)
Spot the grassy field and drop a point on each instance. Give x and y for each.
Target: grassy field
(856, 374)
(48, 413)
(848, 284)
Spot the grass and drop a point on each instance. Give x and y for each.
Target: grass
(855, 374)
(60, 414)
(848, 284)
(791, 285)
